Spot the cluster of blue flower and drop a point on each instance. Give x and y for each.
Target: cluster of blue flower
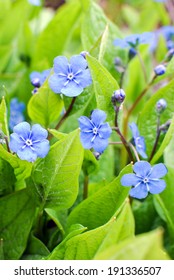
(69, 78)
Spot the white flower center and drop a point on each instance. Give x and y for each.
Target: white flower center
(70, 76)
(28, 142)
(145, 180)
(95, 130)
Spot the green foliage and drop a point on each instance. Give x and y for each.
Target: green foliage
(104, 86)
(43, 212)
(55, 177)
(148, 125)
(16, 208)
(45, 106)
(94, 211)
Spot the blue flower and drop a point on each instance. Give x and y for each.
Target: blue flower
(70, 78)
(138, 140)
(16, 112)
(29, 143)
(160, 70)
(94, 133)
(35, 2)
(146, 179)
(38, 78)
(134, 40)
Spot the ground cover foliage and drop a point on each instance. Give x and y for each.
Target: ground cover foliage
(87, 147)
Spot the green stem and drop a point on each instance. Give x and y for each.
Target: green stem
(158, 132)
(123, 140)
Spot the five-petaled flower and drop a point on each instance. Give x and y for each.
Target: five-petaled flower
(146, 179)
(70, 77)
(29, 143)
(94, 133)
(138, 140)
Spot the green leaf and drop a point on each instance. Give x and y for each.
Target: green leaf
(90, 164)
(22, 168)
(123, 228)
(59, 251)
(52, 40)
(45, 106)
(3, 118)
(164, 202)
(56, 176)
(101, 206)
(144, 214)
(146, 246)
(89, 244)
(7, 178)
(147, 121)
(17, 214)
(36, 249)
(104, 86)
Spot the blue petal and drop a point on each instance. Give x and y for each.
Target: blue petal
(78, 62)
(42, 148)
(84, 78)
(35, 75)
(85, 123)
(56, 83)
(129, 180)
(100, 144)
(121, 43)
(86, 138)
(61, 65)
(159, 170)
(134, 130)
(142, 168)
(139, 192)
(38, 132)
(27, 154)
(22, 129)
(156, 186)
(15, 142)
(140, 146)
(98, 117)
(105, 130)
(72, 89)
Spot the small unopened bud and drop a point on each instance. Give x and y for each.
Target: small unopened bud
(161, 105)
(160, 70)
(36, 82)
(97, 155)
(132, 53)
(118, 97)
(84, 54)
(35, 90)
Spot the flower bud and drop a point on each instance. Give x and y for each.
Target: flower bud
(160, 70)
(36, 82)
(169, 55)
(84, 54)
(132, 53)
(35, 90)
(161, 105)
(118, 97)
